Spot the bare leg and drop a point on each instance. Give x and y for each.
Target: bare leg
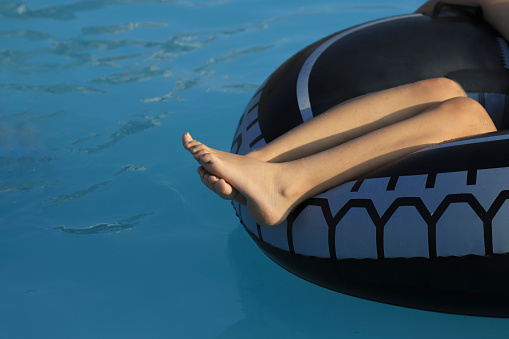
(272, 190)
(358, 117)
(342, 123)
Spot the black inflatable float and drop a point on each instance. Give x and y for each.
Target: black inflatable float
(430, 231)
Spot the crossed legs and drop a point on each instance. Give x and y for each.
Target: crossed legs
(340, 145)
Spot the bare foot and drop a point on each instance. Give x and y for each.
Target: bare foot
(215, 184)
(259, 182)
(218, 185)
(221, 187)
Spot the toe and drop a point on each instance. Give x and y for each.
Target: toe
(198, 155)
(205, 178)
(194, 149)
(222, 187)
(198, 147)
(202, 172)
(193, 146)
(212, 178)
(186, 138)
(206, 183)
(205, 158)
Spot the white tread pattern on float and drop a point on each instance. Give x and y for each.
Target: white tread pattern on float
(504, 48)
(450, 203)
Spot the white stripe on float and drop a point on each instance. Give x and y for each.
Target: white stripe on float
(303, 79)
(505, 51)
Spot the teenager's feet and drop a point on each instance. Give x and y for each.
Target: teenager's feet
(259, 182)
(215, 184)
(220, 186)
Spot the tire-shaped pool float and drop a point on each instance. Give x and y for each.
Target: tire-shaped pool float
(430, 231)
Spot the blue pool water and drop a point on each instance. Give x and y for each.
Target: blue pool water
(106, 231)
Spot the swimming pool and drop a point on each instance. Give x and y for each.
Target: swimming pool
(106, 230)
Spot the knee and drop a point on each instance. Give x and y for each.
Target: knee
(441, 89)
(467, 116)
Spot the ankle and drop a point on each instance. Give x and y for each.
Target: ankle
(288, 183)
(260, 154)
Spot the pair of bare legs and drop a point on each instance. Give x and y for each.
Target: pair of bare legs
(340, 145)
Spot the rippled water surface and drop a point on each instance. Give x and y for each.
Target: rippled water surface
(105, 229)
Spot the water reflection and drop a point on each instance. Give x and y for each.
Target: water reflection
(182, 85)
(76, 195)
(142, 74)
(25, 34)
(128, 128)
(61, 88)
(19, 10)
(116, 227)
(277, 304)
(91, 30)
(145, 55)
(132, 168)
(6, 187)
(62, 198)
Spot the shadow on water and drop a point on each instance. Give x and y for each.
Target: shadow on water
(276, 303)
